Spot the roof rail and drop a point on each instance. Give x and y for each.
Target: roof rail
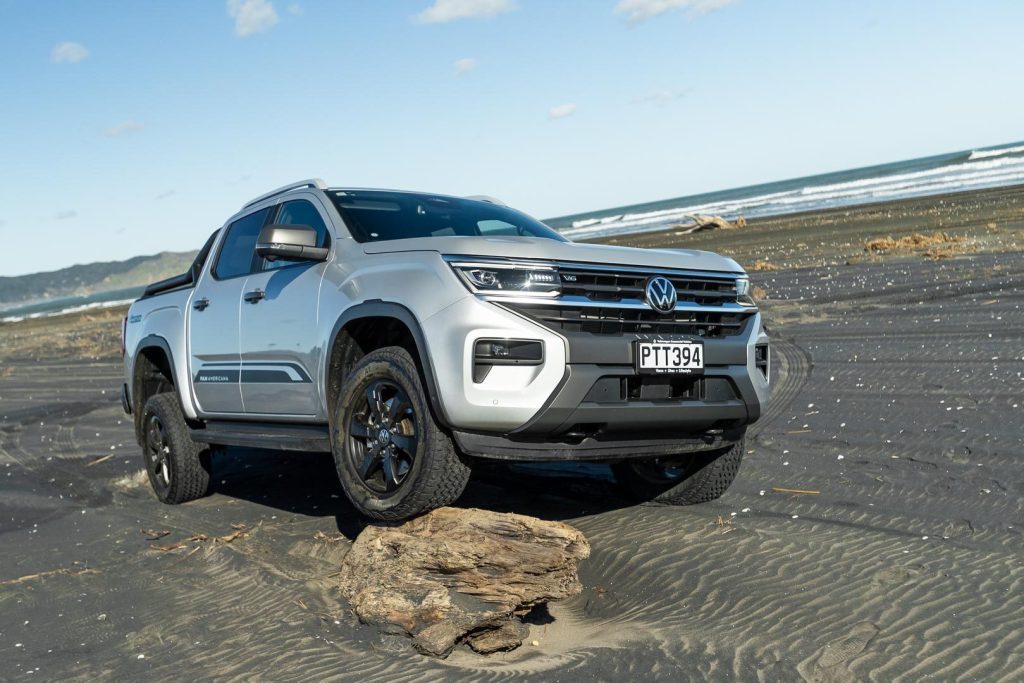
(312, 182)
(485, 198)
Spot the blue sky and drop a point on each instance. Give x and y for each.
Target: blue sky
(135, 127)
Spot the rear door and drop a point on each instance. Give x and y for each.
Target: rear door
(213, 331)
(280, 342)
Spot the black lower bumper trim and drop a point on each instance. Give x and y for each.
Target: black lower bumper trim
(569, 406)
(502, 447)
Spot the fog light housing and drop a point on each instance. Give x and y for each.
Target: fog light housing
(490, 352)
(761, 359)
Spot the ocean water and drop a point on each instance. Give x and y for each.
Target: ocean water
(69, 304)
(968, 170)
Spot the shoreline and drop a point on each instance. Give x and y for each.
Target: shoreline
(932, 199)
(992, 220)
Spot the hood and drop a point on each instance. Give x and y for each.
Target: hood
(551, 250)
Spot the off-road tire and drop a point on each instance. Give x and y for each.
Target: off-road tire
(436, 476)
(704, 477)
(188, 464)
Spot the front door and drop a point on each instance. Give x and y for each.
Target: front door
(280, 344)
(213, 331)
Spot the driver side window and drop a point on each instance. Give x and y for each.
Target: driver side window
(236, 253)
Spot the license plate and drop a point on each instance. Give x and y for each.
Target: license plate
(684, 358)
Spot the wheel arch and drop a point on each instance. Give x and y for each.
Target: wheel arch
(152, 373)
(351, 339)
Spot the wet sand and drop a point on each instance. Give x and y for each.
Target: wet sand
(898, 397)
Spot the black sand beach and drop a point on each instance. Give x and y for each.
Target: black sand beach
(876, 529)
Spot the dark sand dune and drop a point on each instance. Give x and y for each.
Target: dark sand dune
(899, 397)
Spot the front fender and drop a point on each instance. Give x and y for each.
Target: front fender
(388, 309)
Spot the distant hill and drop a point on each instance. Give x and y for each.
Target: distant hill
(92, 278)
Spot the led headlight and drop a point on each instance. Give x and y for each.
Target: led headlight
(509, 278)
(743, 292)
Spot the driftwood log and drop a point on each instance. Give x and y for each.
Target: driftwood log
(458, 575)
(699, 223)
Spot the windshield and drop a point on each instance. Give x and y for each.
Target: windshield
(375, 215)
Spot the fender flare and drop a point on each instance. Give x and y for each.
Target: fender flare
(151, 341)
(378, 308)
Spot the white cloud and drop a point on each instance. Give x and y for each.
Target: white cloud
(561, 111)
(65, 215)
(465, 65)
(252, 16)
(443, 11)
(661, 98)
(295, 8)
(68, 53)
(640, 10)
(123, 128)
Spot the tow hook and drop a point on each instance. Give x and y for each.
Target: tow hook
(711, 436)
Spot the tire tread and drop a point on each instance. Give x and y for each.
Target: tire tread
(190, 476)
(443, 477)
(706, 484)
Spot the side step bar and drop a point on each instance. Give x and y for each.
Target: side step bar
(282, 437)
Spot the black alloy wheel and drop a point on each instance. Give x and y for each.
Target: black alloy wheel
(178, 468)
(382, 437)
(159, 455)
(393, 459)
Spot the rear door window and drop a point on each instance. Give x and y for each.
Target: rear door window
(238, 253)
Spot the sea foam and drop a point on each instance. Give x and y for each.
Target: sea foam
(952, 173)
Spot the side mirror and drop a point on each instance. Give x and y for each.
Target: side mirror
(289, 243)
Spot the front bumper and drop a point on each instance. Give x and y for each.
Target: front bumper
(586, 401)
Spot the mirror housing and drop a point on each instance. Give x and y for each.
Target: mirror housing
(289, 243)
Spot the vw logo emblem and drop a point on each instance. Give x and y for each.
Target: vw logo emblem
(661, 294)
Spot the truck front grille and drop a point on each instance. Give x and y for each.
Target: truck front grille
(609, 300)
(611, 286)
(614, 320)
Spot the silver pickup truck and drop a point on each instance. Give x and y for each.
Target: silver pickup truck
(412, 334)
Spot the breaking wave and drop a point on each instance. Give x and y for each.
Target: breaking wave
(978, 169)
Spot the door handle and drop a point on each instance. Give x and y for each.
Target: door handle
(255, 295)
(201, 304)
